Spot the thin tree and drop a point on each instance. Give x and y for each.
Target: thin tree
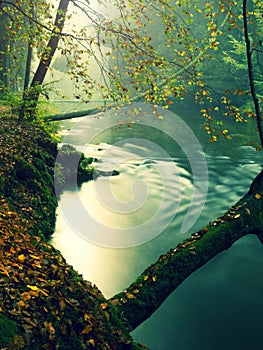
(249, 53)
(31, 95)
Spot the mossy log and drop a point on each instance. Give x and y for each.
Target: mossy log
(81, 113)
(49, 304)
(158, 281)
(77, 114)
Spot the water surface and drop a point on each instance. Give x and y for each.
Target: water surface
(217, 307)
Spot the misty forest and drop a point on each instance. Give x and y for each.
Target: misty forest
(131, 182)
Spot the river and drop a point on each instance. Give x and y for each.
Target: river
(172, 182)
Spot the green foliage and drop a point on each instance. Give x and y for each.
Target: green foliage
(156, 52)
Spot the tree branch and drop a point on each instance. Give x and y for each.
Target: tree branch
(157, 282)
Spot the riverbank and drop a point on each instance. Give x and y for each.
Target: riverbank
(44, 302)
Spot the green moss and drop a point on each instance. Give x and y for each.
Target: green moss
(25, 171)
(8, 329)
(2, 186)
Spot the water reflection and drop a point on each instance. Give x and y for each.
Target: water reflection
(220, 305)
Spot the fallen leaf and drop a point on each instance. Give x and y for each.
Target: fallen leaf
(21, 257)
(87, 317)
(87, 329)
(32, 287)
(21, 303)
(19, 342)
(104, 306)
(12, 250)
(25, 296)
(92, 342)
(4, 271)
(35, 257)
(43, 292)
(257, 196)
(130, 296)
(49, 327)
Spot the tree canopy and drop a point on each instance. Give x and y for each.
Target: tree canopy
(157, 52)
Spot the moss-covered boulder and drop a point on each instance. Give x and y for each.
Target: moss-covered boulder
(73, 168)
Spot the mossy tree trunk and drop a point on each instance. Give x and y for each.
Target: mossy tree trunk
(158, 281)
(31, 95)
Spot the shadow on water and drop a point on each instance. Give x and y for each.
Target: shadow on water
(217, 307)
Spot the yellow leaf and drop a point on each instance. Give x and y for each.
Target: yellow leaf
(11, 213)
(21, 257)
(236, 216)
(32, 287)
(154, 278)
(35, 257)
(130, 296)
(87, 317)
(257, 196)
(87, 329)
(43, 292)
(92, 342)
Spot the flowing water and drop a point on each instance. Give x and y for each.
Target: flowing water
(172, 182)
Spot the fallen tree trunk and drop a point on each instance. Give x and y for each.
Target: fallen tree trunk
(77, 114)
(158, 281)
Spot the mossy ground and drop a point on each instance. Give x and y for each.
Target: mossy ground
(44, 302)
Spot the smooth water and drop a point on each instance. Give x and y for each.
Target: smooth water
(220, 305)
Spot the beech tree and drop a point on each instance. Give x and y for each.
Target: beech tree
(138, 63)
(136, 66)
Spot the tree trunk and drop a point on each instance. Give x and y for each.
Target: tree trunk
(77, 114)
(158, 281)
(3, 56)
(29, 55)
(31, 96)
(249, 52)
